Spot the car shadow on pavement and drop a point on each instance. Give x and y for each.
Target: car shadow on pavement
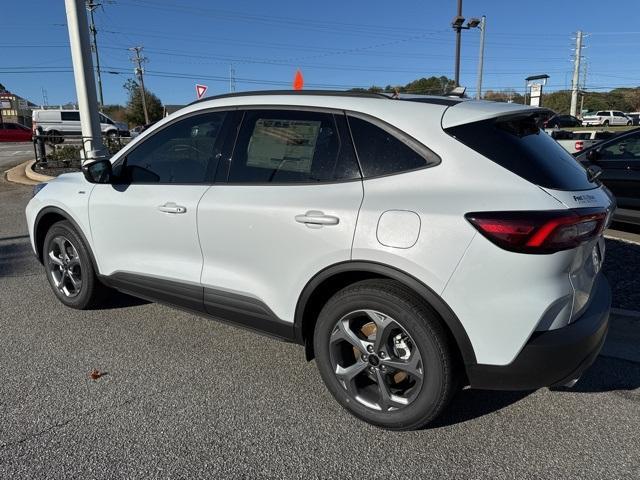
(470, 404)
(17, 258)
(117, 299)
(609, 374)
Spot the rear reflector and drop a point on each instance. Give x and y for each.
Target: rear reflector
(540, 231)
(579, 146)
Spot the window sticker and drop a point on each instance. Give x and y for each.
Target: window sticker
(286, 145)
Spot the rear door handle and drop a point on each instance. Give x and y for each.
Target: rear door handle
(171, 207)
(317, 218)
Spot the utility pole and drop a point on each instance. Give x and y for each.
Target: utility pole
(84, 79)
(232, 78)
(94, 46)
(45, 98)
(138, 60)
(584, 87)
(576, 74)
(457, 26)
(483, 27)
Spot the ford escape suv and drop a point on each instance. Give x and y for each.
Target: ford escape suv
(412, 246)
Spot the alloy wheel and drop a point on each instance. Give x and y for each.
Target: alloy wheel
(375, 360)
(65, 267)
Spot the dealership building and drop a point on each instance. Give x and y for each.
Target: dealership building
(15, 109)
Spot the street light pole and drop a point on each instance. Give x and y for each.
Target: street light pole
(483, 26)
(84, 79)
(458, 29)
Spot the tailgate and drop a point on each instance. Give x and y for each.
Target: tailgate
(589, 257)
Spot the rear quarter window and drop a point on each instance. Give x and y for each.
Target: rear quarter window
(517, 144)
(383, 152)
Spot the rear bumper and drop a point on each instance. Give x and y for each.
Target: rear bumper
(554, 357)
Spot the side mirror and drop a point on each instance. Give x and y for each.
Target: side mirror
(98, 172)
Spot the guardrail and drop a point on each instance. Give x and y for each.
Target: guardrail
(67, 151)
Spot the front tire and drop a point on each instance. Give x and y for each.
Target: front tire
(606, 123)
(69, 268)
(384, 355)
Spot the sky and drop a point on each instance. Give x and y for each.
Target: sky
(336, 44)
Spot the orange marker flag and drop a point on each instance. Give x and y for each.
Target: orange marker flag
(298, 81)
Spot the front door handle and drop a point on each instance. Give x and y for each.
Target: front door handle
(317, 218)
(171, 207)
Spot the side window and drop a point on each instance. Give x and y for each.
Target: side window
(70, 116)
(602, 114)
(627, 148)
(382, 153)
(184, 152)
(289, 146)
(9, 126)
(104, 119)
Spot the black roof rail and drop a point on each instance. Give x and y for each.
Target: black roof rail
(328, 93)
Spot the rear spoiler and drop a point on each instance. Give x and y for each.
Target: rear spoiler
(478, 110)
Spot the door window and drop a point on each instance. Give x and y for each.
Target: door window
(627, 148)
(183, 152)
(288, 146)
(381, 152)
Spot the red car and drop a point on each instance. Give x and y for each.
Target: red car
(14, 132)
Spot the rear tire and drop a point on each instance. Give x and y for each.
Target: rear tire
(384, 355)
(69, 268)
(629, 123)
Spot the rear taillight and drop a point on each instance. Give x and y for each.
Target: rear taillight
(539, 231)
(579, 145)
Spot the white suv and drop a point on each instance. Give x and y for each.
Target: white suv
(413, 246)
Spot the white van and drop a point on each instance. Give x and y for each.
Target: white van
(58, 123)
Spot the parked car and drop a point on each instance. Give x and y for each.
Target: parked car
(579, 140)
(412, 247)
(141, 128)
(14, 132)
(57, 124)
(619, 159)
(562, 121)
(635, 117)
(605, 118)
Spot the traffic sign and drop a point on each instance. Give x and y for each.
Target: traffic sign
(200, 90)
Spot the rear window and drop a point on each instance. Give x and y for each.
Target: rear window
(517, 144)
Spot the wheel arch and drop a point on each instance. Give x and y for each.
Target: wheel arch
(332, 279)
(45, 219)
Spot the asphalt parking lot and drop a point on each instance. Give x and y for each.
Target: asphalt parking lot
(13, 153)
(185, 397)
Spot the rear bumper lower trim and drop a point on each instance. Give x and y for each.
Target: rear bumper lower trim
(554, 357)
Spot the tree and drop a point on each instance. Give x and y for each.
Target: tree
(135, 112)
(426, 86)
(3, 89)
(503, 96)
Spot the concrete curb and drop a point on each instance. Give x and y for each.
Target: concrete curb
(18, 175)
(35, 176)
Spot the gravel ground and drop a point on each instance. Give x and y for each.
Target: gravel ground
(185, 397)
